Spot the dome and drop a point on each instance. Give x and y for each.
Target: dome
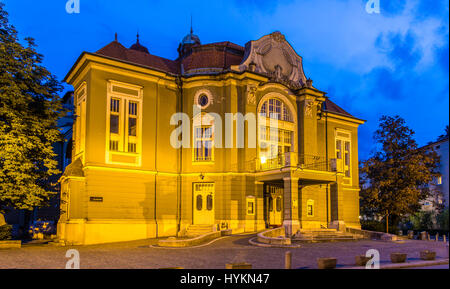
(191, 38)
(139, 47)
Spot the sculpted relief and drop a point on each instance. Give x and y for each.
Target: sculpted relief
(251, 94)
(309, 106)
(273, 55)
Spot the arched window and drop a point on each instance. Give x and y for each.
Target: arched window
(276, 109)
(275, 138)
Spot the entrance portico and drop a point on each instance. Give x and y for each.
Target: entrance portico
(311, 198)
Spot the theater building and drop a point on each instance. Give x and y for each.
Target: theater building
(128, 181)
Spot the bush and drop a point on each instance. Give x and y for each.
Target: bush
(5, 232)
(422, 221)
(373, 225)
(442, 220)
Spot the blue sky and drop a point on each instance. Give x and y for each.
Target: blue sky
(395, 62)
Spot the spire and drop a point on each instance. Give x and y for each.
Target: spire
(192, 30)
(137, 46)
(115, 37)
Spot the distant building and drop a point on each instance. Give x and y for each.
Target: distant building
(439, 184)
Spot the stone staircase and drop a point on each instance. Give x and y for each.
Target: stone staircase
(324, 235)
(197, 230)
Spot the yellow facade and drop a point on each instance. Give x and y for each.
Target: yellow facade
(127, 181)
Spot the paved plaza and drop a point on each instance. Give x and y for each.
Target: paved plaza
(140, 254)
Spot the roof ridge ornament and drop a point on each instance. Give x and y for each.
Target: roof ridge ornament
(278, 36)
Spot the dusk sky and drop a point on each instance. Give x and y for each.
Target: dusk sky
(395, 62)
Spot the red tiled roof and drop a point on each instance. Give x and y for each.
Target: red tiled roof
(332, 107)
(227, 44)
(117, 50)
(214, 55)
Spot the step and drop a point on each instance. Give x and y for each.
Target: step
(196, 230)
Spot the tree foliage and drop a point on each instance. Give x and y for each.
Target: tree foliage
(443, 136)
(29, 109)
(395, 179)
(443, 219)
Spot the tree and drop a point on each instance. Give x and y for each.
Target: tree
(422, 220)
(395, 179)
(443, 220)
(444, 136)
(29, 109)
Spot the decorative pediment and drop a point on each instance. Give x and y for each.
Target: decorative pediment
(274, 56)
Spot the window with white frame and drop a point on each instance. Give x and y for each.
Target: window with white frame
(343, 152)
(203, 143)
(274, 142)
(277, 109)
(80, 120)
(124, 117)
(310, 208)
(250, 206)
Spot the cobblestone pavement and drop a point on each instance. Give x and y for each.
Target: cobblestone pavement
(139, 254)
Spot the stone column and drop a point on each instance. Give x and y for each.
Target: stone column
(260, 220)
(308, 100)
(290, 209)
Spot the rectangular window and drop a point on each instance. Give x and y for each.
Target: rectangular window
(250, 206)
(80, 120)
(347, 159)
(338, 149)
(310, 208)
(114, 116)
(203, 144)
(343, 152)
(129, 136)
(263, 133)
(125, 111)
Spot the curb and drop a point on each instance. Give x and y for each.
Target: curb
(264, 245)
(406, 265)
(198, 240)
(190, 247)
(9, 244)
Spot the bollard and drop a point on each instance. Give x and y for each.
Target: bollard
(326, 263)
(398, 257)
(288, 260)
(427, 255)
(361, 260)
(445, 237)
(428, 236)
(423, 235)
(437, 237)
